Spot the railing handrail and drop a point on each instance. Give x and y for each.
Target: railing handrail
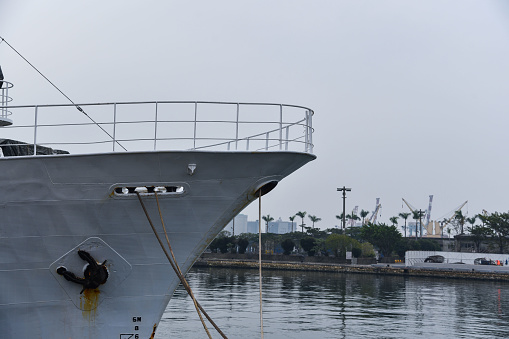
(287, 118)
(162, 102)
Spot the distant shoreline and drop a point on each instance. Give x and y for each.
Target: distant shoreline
(451, 271)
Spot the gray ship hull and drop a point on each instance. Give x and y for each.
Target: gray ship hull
(53, 206)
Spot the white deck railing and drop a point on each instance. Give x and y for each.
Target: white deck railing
(162, 125)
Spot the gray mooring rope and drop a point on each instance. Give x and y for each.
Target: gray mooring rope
(177, 270)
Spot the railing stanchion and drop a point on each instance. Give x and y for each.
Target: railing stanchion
(247, 144)
(195, 117)
(35, 131)
(155, 130)
(306, 131)
(267, 141)
(114, 125)
(310, 131)
(287, 137)
(237, 128)
(280, 127)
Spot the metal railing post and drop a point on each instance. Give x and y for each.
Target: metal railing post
(267, 141)
(35, 130)
(310, 131)
(287, 137)
(280, 127)
(114, 124)
(155, 130)
(237, 128)
(195, 117)
(306, 132)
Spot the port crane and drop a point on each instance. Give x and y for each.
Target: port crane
(378, 206)
(427, 215)
(447, 221)
(351, 222)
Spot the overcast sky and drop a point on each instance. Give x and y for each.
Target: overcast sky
(411, 98)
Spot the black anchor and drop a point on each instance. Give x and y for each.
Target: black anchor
(95, 274)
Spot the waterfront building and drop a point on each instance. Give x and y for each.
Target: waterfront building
(280, 226)
(241, 225)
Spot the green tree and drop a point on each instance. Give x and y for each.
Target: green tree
(417, 216)
(394, 220)
(382, 236)
(292, 218)
(499, 225)
(242, 244)
(354, 232)
(356, 252)
(459, 220)
(308, 245)
(223, 242)
(314, 219)
(301, 215)
(471, 220)
(287, 246)
(405, 217)
(340, 243)
(368, 251)
(267, 218)
(478, 234)
(334, 231)
(352, 216)
(363, 215)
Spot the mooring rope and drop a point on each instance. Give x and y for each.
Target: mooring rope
(177, 270)
(260, 256)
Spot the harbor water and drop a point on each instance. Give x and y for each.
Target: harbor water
(307, 305)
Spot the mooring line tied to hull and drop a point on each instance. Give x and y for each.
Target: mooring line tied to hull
(176, 268)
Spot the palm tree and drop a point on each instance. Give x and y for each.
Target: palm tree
(267, 218)
(471, 221)
(394, 220)
(291, 219)
(352, 216)
(417, 215)
(404, 216)
(363, 215)
(302, 215)
(314, 219)
(460, 219)
(340, 217)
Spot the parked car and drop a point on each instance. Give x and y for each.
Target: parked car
(484, 261)
(435, 259)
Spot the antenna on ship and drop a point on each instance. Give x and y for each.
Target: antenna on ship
(4, 100)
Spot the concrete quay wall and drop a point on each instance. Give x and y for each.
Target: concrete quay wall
(434, 270)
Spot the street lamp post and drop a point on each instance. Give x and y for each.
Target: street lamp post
(344, 190)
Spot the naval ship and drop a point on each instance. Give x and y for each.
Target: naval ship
(78, 257)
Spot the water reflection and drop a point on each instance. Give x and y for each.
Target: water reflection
(336, 305)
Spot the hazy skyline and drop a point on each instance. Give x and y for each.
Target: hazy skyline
(410, 97)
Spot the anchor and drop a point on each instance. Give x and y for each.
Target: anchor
(95, 273)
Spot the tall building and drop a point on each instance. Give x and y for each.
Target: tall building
(240, 225)
(280, 226)
(252, 227)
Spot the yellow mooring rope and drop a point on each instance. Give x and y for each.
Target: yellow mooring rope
(176, 268)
